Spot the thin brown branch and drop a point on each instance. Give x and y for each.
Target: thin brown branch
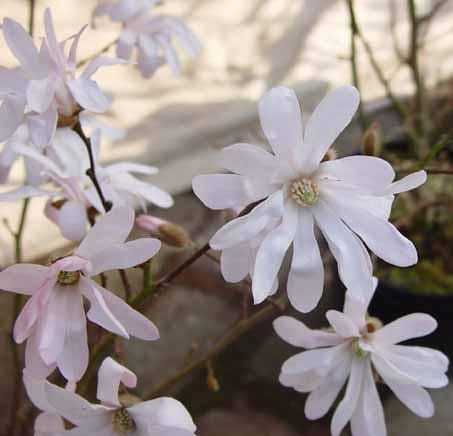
(126, 284)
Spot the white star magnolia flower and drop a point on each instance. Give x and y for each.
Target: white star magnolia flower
(152, 35)
(359, 348)
(53, 319)
(159, 417)
(344, 198)
(45, 86)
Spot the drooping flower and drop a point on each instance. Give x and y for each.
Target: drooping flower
(45, 90)
(345, 198)
(158, 417)
(152, 35)
(358, 347)
(53, 320)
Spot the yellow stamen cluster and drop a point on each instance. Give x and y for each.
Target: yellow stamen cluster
(304, 192)
(67, 278)
(122, 423)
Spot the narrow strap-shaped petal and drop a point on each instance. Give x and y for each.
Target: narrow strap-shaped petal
(111, 374)
(89, 95)
(412, 181)
(99, 62)
(23, 278)
(11, 115)
(342, 324)
(236, 262)
(40, 93)
(306, 276)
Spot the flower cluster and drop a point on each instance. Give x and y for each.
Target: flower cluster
(285, 193)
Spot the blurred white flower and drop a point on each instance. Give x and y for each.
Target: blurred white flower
(344, 197)
(152, 35)
(45, 90)
(359, 347)
(158, 417)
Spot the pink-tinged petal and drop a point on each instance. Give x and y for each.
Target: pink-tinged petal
(72, 220)
(33, 309)
(12, 81)
(134, 322)
(35, 390)
(34, 364)
(321, 399)
(11, 115)
(343, 325)
(54, 48)
(71, 263)
(99, 312)
(327, 121)
(419, 365)
(54, 321)
(40, 93)
(125, 44)
(154, 195)
(89, 96)
(410, 394)
(73, 360)
(249, 226)
(298, 334)
(112, 229)
(22, 46)
(23, 278)
(412, 181)
(353, 261)
(111, 374)
(42, 127)
(365, 172)
(236, 262)
(407, 327)
(381, 237)
(123, 256)
(164, 411)
(77, 410)
(48, 424)
(224, 191)
(249, 160)
(306, 276)
(99, 62)
(281, 121)
(271, 253)
(348, 404)
(368, 418)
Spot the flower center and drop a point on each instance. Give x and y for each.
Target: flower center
(122, 423)
(66, 278)
(304, 192)
(357, 350)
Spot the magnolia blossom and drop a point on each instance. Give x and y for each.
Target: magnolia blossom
(45, 89)
(53, 319)
(152, 35)
(345, 198)
(159, 417)
(359, 347)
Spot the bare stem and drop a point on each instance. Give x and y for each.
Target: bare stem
(103, 50)
(237, 331)
(126, 284)
(91, 172)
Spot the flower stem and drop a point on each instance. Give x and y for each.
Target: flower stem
(91, 172)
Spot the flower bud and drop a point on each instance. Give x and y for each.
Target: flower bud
(211, 380)
(168, 232)
(372, 140)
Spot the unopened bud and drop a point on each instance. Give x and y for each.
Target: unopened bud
(372, 140)
(169, 233)
(331, 154)
(211, 380)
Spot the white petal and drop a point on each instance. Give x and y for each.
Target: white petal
(410, 394)
(48, 423)
(23, 278)
(298, 334)
(164, 411)
(36, 392)
(318, 360)
(42, 127)
(134, 322)
(281, 121)
(73, 360)
(321, 399)
(11, 115)
(12, 81)
(249, 160)
(89, 96)
(224, 191)
(236, 262)
(342, 324)
(407, 327)
(40, 93)
(353, 261)
(271, 253)
(99, 62)
(113, 228)
(34, 364)
(249, 226)
(348, 404)
(407, 183)
(328, 120)
(110, 375)
(306, 276)
(72, 220)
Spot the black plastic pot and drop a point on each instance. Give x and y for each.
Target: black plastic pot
(390, 303)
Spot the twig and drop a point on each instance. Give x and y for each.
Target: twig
(353, 59)
(91, 172)
(433, 151)
(126, 284)
(435, 9)
(103, 50)
(223, 343)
